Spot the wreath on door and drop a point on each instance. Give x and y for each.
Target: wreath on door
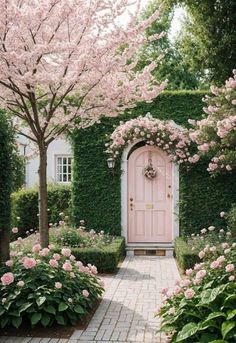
(149, 171)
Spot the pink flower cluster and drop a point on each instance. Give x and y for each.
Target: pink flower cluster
(166, 135)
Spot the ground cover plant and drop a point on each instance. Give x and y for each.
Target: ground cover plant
(201, 307)
(43, 287)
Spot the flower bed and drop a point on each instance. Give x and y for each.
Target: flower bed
(201, 308)
(44, 287)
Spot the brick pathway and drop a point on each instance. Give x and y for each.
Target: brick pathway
(126, 313)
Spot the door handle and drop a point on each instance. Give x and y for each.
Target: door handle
(168, 195)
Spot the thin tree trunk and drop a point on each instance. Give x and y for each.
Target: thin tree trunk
(4, 244)
(43, 201)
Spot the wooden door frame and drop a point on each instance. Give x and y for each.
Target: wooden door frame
(124, 195)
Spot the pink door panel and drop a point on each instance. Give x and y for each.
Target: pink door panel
(149, 201)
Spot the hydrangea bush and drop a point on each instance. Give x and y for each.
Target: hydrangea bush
(46, 288)
(166, 135)
(201, 308)
(216, 133)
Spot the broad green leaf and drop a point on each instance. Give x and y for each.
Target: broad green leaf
(226, 327)
(2, 310)
(35, 318)
(24, 307)
(16, 322)
(206, 324)
(4, 321)
(167, 328)
(231, 299)
(60, 319)
(219, 341)
(215, 315)
(62, 307)
(50, 309)
(231, 314)
(40, 300)
(79, 309)
(45, 320)
(210, 295)
(187, 331)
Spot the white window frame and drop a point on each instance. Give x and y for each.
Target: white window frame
(56, 164)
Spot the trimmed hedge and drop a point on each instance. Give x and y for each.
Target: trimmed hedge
(185, 257)
(105, 259)
(96, 193)
(25, 206)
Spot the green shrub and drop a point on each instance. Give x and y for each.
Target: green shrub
(202, 306)
(25, 206)
(185, 257)
(105, 259)
(43, 288)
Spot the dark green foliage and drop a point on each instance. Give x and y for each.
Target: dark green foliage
(203, 198)
(6, 151)
(185, 257)
(25, 206)
(231, 219)
(18, 163)
(105, 259)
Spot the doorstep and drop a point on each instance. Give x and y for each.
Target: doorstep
(149, 249)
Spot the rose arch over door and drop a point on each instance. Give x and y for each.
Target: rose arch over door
(149, 200)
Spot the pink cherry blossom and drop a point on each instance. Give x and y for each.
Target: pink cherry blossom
(29, 262)
(7, 279)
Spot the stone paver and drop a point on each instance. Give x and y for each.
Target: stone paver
(126, 313)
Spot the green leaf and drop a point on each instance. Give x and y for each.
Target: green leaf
(215, 315)
(79, 309)
(219, 341)
(24, 307)
(230, 300)
(16, 322)
(60, 319)
(4, 321)
(35, 318)
(226, 327)
(188, 330)
(210, 295)
(40, 301)
(50, 309)
(45, 320)
(62, 307)
(231, 314)
(167, 328)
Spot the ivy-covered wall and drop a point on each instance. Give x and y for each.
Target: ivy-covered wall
(96, 192)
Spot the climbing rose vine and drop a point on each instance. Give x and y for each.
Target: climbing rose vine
(216, 134)
(166, 135)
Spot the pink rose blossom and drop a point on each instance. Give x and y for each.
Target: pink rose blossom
(177, 290)
(20, 283)
(215, 264)
(29, 262)
(227, 251)
(56, 257)
(221, 259)
(9, 263)
(201, 254)
(67, 267)
(85, 293)
(189, 272)
(7, 279)
(72, 258)
(229, 268)
(66, 252)
(79, 264)
(94, 270)
(14, 230)
(164, 290)
(72, 275)
(44, 252)
(58, 285)
(231, 278)
(201, 274)
(36, 248)
(189, 293)
(13, 253)
(53, 263)
(186, 282)
(212, 249)
(222, 214)
(225, 245)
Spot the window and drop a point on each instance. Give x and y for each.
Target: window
(63, 168)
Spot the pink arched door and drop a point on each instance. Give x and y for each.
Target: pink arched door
(149, 201)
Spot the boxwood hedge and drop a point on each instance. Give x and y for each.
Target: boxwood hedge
(96, 193)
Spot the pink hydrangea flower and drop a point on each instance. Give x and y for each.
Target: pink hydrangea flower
(229, 268)
(67, 267)
(36, 248)
(215, 264)
(9, 263)
(66, 252)
(53, 263)
(14, 230)
(56, 257)
(29, 262)
(58, 285)
(20, 283)
(189, 293)
(85, 293)
(7, 279)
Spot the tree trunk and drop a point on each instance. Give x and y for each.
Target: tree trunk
(4, 244)
(43, 197)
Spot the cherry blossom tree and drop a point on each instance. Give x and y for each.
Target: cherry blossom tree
(70, 61)
(216, 133)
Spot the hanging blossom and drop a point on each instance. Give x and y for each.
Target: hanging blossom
(166, 135)
(216, 134)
